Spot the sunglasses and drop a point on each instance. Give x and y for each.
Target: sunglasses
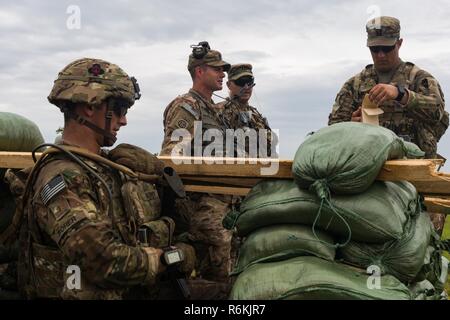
(243, 81)
(385, 49)
(120, 111)
(120, 107)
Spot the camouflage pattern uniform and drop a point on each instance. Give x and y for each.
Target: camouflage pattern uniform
(181, 113)
(77, 230)
(70, 219)
(422, 120)
(204, 222)
(8, 249)
(238, 115)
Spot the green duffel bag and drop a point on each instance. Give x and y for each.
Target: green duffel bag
(346, 157)
(375, 216)
(281, 242)
(17, 133)
(403, 258)
(311, 278)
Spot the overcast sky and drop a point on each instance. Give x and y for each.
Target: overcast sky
(302, 52)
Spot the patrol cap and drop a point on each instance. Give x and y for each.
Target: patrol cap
(212, 58)
(239, 70)
(382, 31)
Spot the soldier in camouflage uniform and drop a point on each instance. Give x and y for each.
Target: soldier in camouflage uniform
(204, 223)
(83, 209)
(411, 98)
(236, 111)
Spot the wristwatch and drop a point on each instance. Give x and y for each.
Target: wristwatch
(171, 256)
(401, 92)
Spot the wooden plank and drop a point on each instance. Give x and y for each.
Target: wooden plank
(438, 205)
(218, 175)
(418, 169)
(224, 181)
(16, 160)
(421, 173)
(393, 170)
(217, 190)
(229, 167)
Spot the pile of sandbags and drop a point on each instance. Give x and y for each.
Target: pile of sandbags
(310, 278)
(335, 232)
(345, 158)
(17, 134)
(363, 216)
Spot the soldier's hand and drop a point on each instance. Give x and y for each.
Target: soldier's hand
(161, 266)
(136, 159)
(155, 266)
(383, 92)
(188, 265)
(357, 115)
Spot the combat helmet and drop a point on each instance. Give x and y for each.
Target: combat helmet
(94, 81)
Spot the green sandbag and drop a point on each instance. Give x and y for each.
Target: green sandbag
(436, 266)
(311, 278)
(425, 290)
(403, 258)
(346, 157)
(375, 216)
(281, 242)
(18, 133)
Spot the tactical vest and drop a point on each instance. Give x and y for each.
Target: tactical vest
(395, 117)
(136, 210)
(236, 116)
(208, 117)
(250, 118)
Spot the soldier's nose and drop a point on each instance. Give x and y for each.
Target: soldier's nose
(123, 121)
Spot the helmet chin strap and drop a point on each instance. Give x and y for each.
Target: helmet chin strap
(108, 138)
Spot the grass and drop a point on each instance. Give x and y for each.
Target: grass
(446, 235)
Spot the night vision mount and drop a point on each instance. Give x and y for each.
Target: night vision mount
(200, 50)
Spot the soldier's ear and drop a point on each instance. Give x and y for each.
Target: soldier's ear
(228, 84)
(86, 110)
(400, 41)
(199, 71)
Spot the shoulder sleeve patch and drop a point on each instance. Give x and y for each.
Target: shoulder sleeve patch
(51, 189)
(182, 124)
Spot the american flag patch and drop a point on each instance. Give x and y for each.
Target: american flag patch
(52, 188)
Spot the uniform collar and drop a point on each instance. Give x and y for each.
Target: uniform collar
(237, 102)
(200, 97)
